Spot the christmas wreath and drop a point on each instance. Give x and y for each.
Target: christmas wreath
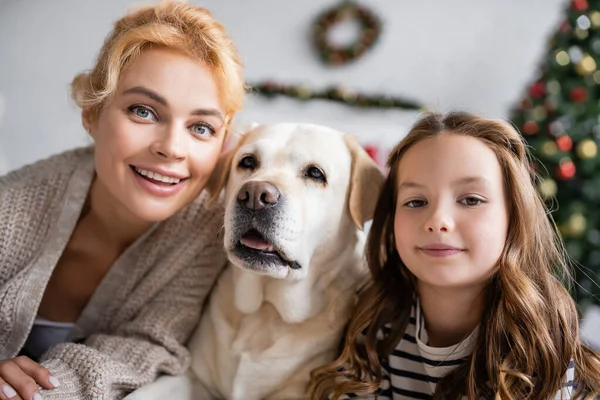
(334, 55)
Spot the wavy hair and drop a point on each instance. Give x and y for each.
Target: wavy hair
(529, 332)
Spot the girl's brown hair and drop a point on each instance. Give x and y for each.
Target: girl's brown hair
(175, 25)
(529, 332)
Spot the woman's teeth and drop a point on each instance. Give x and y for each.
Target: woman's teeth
(156, 176)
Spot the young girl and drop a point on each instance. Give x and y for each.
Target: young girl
(107, 253)
(466, 297)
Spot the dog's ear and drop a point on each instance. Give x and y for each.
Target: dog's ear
(366, 182)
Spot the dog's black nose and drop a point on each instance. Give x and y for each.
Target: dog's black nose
(257, 195)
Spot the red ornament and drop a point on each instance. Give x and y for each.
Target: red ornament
(578, 94)
(580, 5)
(564, 143)
(566, 170)
(537, 90)
(373, 152)
(565, 27)
(530, 128)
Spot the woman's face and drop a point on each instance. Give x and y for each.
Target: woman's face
(158, 137)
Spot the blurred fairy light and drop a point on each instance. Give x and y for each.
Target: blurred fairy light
(583, 22)
(562, 58)
(575, 54)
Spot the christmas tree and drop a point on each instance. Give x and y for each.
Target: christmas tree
(560, 118)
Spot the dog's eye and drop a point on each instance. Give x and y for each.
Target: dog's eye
(248, 162)
(315, 174)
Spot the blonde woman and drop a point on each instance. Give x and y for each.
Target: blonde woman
(107, 253)
(466, 299)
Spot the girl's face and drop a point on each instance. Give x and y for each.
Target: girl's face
(159, 135)
(451, 216)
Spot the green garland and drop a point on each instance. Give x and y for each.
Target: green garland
(370, 32)
(336, 94)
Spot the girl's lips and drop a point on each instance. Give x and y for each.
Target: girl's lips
(156, 188)
(440, 252)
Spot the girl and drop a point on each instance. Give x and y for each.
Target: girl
(107, 253)
(466, 297)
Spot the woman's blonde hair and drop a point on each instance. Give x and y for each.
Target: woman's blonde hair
(176, 25)
(529, 332)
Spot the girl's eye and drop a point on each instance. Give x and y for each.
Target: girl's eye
(202, 130)
(471, 201)
(142, 113)
(415, 203)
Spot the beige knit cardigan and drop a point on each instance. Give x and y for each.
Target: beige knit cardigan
(140, 317)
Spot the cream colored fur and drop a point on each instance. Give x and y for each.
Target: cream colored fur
(263, 332)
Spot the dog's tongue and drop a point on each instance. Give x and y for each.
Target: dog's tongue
(255, 241)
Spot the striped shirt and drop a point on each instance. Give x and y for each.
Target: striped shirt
(414, 368)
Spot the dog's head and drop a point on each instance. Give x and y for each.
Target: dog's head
(293, 191)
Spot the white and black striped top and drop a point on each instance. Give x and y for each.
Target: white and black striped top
(414, 368)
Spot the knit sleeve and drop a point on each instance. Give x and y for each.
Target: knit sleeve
(110, 366)
(29, 198)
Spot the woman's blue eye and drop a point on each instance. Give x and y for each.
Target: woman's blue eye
(142, 112)
(202, 130)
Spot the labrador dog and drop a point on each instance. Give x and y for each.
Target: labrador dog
(296, 198)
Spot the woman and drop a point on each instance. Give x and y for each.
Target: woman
(107, 253)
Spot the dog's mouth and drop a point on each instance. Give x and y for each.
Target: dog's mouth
(254, 240)
(255, 249)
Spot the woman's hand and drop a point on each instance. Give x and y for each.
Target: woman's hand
(20, 377)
